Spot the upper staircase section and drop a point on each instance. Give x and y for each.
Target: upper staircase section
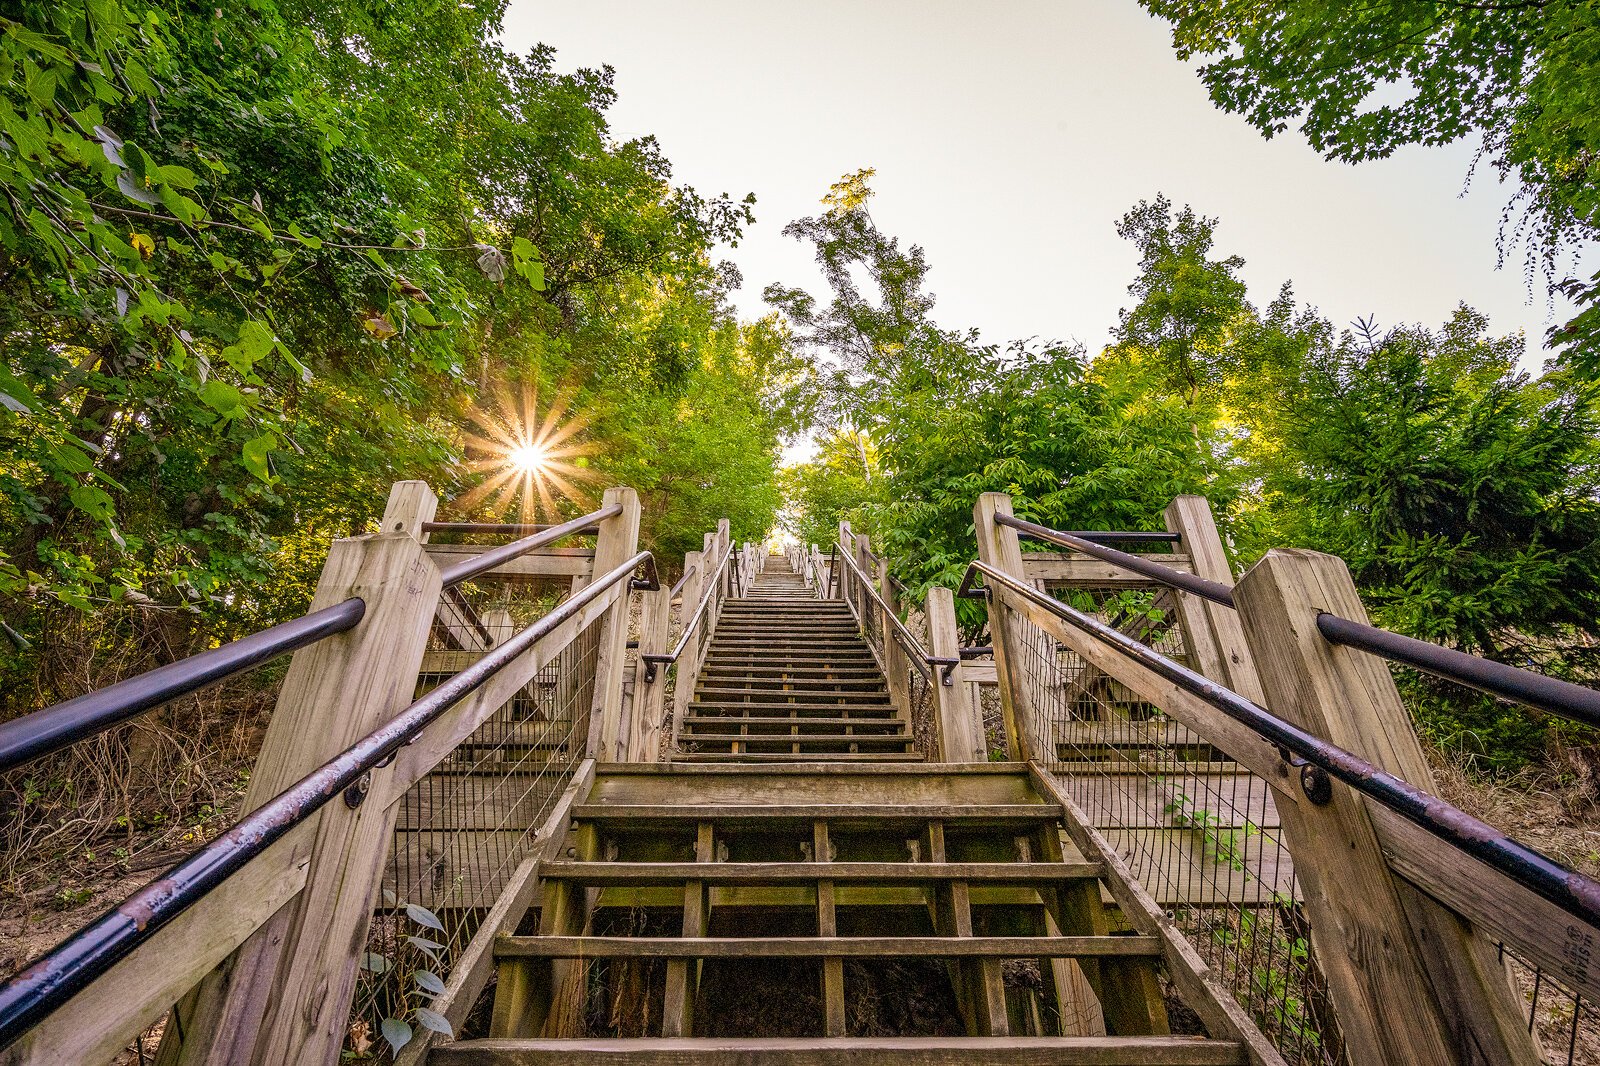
(788, 677)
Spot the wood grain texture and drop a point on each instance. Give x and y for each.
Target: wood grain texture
(1410, 980)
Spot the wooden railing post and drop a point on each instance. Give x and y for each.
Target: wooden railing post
(896, 660)
(1411, 981)
(617, 542)
(1212, 632)
(650, 698)
(284, 995)
(998, 546)
(961, 736)
(687, 670)
(844, 578)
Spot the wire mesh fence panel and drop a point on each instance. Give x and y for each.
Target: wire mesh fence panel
(464, 829)
(1196, 829)
(1565, 1024)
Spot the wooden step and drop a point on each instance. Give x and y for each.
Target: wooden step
(778, 873)
(806, 757)
(724, 720)
(704, 694)
(769, 739)
(847, 1051)
(826, 947)
(842, 813)
(736, 710)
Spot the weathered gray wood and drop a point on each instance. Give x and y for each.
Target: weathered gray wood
(1216, 639)
(289, 1000)
(998, 546)
(1412, 983)
(844, 947)
(1530, 925)
(650, 697)
(616, 543)
(822, 1051)
(961, 737)
(686, 671)
(1072, 570)
(541, 565)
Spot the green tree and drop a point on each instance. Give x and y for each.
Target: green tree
(1361, 81)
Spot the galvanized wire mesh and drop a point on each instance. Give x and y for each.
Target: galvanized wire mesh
(1197, 830)
(1566, 1025)
(464, 829)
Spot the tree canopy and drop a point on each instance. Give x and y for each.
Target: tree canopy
(1360, 81)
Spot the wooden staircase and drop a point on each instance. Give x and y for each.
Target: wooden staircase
(845, 913)
(788, 678)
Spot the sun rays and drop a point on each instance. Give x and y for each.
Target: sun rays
(528, 461)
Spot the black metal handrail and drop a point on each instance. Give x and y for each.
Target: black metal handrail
(1513, 683)
(678, 587)
(1498, 679)
(654, 662)
(1574, 893)
(61, 725)
(473, 565)
(32, 994)
(920, 657)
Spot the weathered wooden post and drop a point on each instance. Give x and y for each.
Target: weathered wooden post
(617, 543)
(284, 995)
(650, 697)
(961, 736)
(686, 673)
(845, 544)
(896, 661)
(998, 546)
(1212, 632)
(1411, 981)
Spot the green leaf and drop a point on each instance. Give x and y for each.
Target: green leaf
(373, 962)
(135, 190)
(424, 917)
(429, 982)
(72, 460)
(435, 1021)
(396, 1032)
(255, 454)
(221, 397)
(93, 501)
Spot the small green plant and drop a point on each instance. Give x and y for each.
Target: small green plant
(1220, 842)
(425, 984)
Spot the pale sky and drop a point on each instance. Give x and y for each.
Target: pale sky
(1008, 137)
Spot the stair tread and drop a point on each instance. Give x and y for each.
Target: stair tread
(847, 1051)
(863, 708)
(820, 947)
(767, 757)
(740, 719)
(800, 738)
(839, 812)
(667, 873)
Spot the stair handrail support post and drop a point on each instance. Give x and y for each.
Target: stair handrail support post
(285, 994)
(896, 661)
(1411, 981)
(650, 697)
(999, 547)
(616, 543)
(1212, 632)
(845, 543)
(961, 736)
(687, 670)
